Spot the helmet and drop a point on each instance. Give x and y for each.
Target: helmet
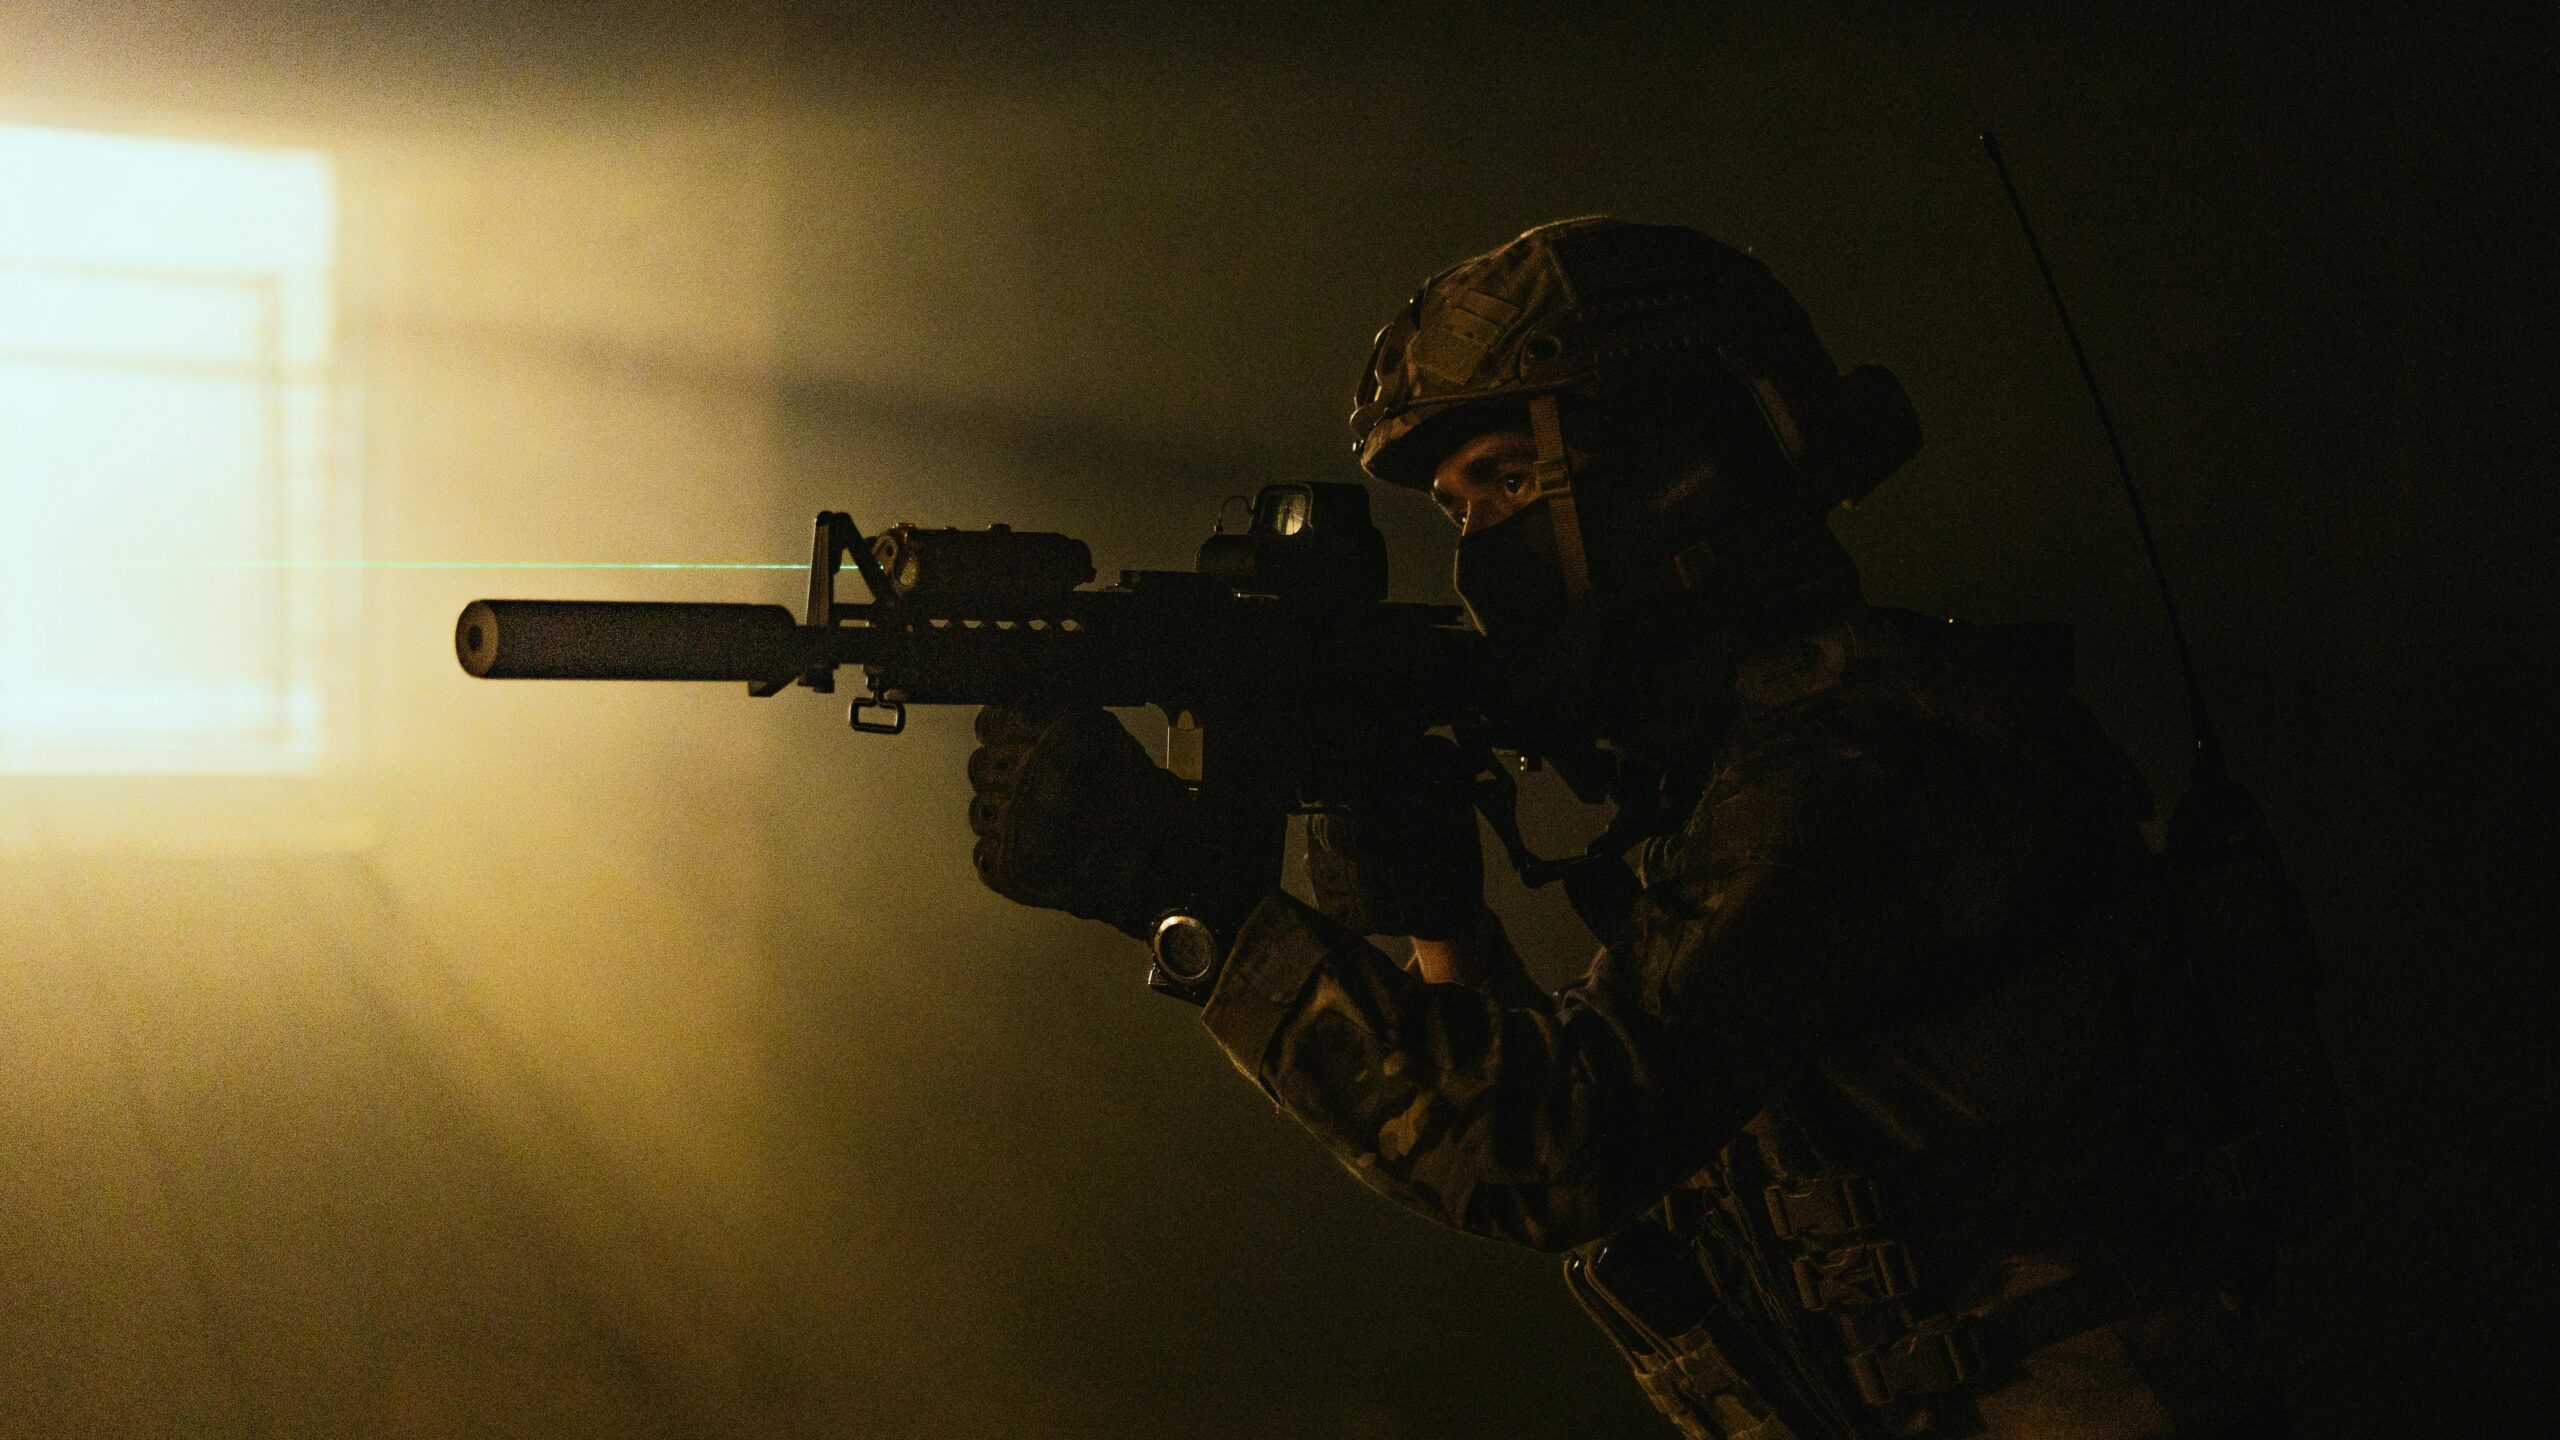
(1582, 306)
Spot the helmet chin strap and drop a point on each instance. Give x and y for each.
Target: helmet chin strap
(1554, 474)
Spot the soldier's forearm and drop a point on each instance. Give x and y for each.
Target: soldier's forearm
(1544, 1122)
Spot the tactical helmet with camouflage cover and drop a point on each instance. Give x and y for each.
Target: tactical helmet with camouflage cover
(1582, 306)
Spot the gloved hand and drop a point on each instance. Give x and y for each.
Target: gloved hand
(1071, 815)
(1408, 861)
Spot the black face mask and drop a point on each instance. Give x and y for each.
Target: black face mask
(1579, 665)
(1553, 650)
(1510, 579)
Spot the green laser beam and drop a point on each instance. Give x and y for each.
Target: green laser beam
(407, 565)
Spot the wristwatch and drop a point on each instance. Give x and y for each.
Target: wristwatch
(1189, 953)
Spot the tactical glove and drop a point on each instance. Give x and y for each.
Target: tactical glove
(1406, 861)
(1072, 815)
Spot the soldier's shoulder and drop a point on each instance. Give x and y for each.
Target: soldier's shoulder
(1895, 691)
(1883, 658)
(1844, 691)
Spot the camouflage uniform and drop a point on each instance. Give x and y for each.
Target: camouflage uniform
(1852, 1130)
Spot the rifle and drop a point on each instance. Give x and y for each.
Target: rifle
(1284, 673)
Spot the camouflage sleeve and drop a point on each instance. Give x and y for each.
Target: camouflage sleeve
(1787, 904)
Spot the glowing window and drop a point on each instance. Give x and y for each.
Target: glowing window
(165, 458)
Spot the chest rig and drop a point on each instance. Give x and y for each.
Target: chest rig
(1778, 1294)
(1756, 1304)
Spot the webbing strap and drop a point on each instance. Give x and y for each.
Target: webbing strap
(1555, 486)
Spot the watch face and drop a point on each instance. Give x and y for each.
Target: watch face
(1186, 948)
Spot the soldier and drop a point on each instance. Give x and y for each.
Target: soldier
(1865, 1120)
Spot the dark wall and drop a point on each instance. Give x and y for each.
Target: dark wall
(914, 1162)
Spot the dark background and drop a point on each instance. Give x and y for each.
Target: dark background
(647, 1062)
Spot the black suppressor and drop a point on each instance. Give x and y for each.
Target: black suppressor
(626, 640)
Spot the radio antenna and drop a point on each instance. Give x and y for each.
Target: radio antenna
(2208, 745)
